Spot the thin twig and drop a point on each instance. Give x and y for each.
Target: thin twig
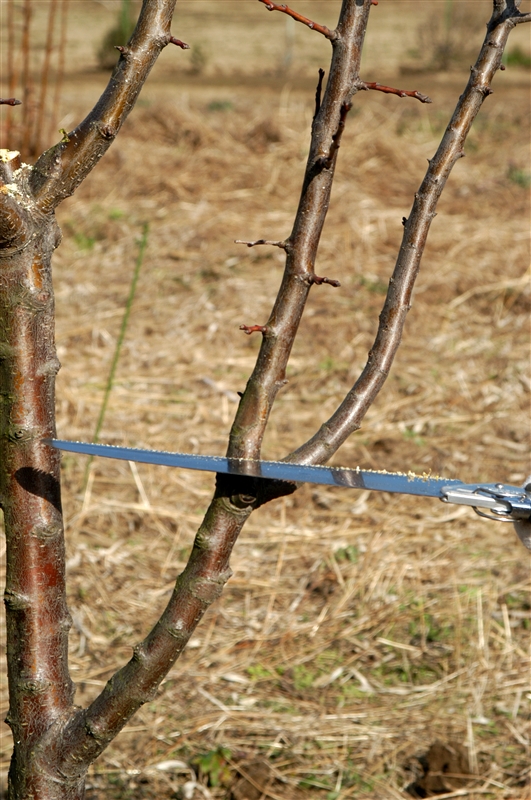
(9, 101)
(283, 245)
(180, 44)
(379, 87)
(314, 26)
(312, 278)
(248, 329)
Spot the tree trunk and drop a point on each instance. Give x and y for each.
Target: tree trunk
(40, 689)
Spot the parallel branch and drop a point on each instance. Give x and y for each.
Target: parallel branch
(89, 731)
(60, 170)
(347, 418)
(208, 569)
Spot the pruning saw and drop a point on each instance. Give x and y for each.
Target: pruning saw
(497, 501)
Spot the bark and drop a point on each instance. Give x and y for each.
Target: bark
(40, 689)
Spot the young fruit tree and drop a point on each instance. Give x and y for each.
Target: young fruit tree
(55, 741)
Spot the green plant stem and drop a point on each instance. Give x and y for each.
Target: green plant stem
(142, 244)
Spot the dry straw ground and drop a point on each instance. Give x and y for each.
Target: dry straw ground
(358, 629)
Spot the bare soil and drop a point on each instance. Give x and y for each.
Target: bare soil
(365, 644)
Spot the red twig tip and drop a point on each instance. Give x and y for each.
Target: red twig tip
(9, 101)
(248, 329)
(314, 26)
(182, 45)
(311, 279)
(379, 87)
(374, 2)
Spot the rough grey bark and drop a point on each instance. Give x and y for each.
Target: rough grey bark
(55, 742)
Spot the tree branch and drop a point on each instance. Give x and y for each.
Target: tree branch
(89, 731)
(508, 9)
(318, 281)
(197, 587)
(10, 101)
(301, 246)
(347, 418)
(389, 90)
(314, 26)
(178, 42)
(248, 329)
(200, 583)
(282, 245)
(60, 170)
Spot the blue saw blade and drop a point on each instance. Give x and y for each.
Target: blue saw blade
(379, 481)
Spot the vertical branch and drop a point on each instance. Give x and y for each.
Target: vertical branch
(60, 170)
(347, 418)
(269, 374)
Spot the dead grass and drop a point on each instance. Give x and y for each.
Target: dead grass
(358, 629)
